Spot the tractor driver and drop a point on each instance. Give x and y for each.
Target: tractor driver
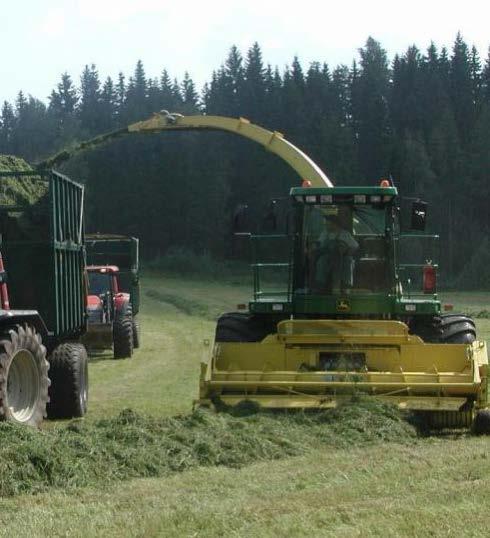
(333, 258)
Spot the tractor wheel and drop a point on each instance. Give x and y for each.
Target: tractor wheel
(238, 327)
(447, 329)
(69, 381)
(481, 424)
(123, 334)
(136, 333)
(24, 378)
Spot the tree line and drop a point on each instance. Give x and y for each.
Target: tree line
(422, 119)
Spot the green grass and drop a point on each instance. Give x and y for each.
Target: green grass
(160, 470)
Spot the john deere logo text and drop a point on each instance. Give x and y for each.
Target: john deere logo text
(343, 305)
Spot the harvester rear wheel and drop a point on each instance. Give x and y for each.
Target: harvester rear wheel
(123, 333)
(69, 381)
(446, 329)
(136, 333)
(24, 378)
(481, 424)
(241, 327)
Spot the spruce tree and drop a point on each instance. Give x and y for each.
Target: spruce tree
(461, 88)
(89, 106)
(370, 110)
(190, 97)
(7, 128)
(252, 100)
(108, 105)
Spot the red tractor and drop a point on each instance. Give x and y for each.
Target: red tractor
(110, 315)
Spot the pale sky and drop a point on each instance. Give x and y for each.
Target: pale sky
(40, 39)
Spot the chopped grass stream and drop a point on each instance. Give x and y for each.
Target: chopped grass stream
(83, 453)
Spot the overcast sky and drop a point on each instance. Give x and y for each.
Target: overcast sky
(42, 39)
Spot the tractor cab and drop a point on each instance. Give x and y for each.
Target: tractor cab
(103, 288)
(349, 252)
(103, 279)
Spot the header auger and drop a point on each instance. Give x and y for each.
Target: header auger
(357, 310)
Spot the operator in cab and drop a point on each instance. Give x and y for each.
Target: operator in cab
(334, 257)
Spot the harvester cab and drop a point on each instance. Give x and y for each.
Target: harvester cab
(347, 255)
(110, 320)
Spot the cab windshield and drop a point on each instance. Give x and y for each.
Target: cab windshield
(344, 249)
(99, 283)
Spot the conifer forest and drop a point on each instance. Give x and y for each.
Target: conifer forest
(421, 118)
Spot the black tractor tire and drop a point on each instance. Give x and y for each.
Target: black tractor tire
(481, 424)
(123, 333)
(24, 377)
(242, 327)
(69, 381)
(446, 329)
(136, 333)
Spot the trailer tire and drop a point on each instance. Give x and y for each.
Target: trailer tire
(69, 381)
(481, 424)
(24, 377)
(123, 333)
(447, 329)
(136, 333)
(241, 327)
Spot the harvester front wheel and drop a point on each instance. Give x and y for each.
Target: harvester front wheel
(447, 329)
(241, 327)
(481, 424)
(69, 381)
(24, 378)
(123, 333)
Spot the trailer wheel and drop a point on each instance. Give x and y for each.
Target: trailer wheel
(241, 327)
(446, 329)
(136, 333)
(69, 381)
(123, 334)
(24, 378)
(481, 424)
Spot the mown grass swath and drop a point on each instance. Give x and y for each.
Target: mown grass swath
(130, 445)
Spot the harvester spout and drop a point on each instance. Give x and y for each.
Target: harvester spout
(272, 141)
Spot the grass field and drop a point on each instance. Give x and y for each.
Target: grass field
(430, 486)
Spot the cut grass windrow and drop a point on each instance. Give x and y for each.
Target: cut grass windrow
(130, 445)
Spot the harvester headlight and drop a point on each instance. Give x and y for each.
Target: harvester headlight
(277, 307)
(375, 199)
(299, 198)
(359, 198)
(387, 198)
(410, 308)
(326, 199)
(310, 199)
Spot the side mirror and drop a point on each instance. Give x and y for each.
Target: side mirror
(241, 219)
(418, 216)
(269, 222)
